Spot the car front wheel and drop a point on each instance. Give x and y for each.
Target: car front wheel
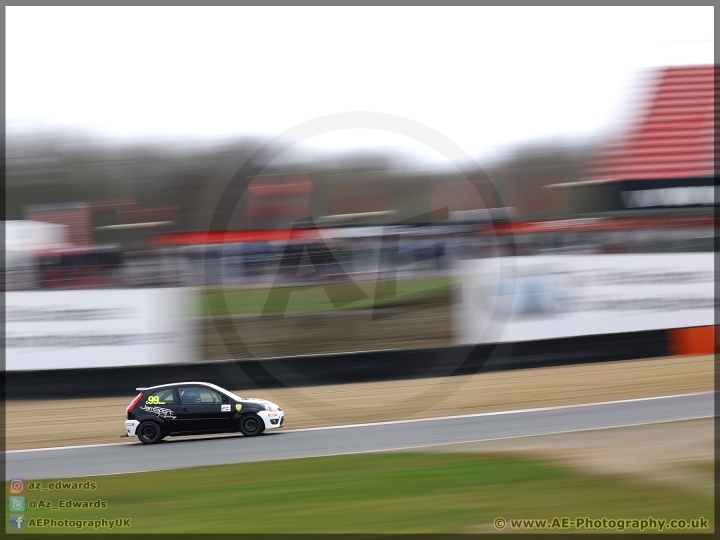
(149, 433)
(251, 425)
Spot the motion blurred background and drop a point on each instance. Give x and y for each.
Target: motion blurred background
(338, 208)
(140, 163)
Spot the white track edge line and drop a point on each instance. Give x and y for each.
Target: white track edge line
(619, 426)
(391, 422)
(498, 413)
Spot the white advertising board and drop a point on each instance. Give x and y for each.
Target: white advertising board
(512, 299)
(98, 328)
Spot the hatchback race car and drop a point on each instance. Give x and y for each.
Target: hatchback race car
(192, 408)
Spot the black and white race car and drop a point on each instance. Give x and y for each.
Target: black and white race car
(193, 408)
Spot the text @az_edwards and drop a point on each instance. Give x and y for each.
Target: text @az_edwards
(39, 504)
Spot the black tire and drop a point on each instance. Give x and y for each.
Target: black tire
(251, 425)
(149, 433)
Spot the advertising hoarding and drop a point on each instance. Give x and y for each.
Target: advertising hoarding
(98, 328)
(546, 297)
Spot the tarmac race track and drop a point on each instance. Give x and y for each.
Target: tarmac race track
(130, 456)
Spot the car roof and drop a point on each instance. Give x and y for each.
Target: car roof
(211, 385)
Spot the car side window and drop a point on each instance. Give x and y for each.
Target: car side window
(198, 394)
(161, 397)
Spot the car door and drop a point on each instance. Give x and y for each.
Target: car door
(202, 409)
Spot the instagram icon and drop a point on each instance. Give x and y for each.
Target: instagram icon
(17, 485)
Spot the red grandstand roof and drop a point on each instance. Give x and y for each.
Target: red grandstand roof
(675, 137)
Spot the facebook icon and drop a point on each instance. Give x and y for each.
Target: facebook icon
(17, 522)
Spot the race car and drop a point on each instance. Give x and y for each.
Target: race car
(193, 408)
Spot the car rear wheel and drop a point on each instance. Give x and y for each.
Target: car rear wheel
(149, 433)
(251, 425)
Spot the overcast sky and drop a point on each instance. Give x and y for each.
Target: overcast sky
(483, 77)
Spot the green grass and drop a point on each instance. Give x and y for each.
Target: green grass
(371, 493)
(311, 298)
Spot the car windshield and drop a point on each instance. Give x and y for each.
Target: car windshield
(230, 394)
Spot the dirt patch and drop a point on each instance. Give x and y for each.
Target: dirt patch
(677, 453)
(33, 424)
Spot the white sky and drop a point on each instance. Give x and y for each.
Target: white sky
(483, 77)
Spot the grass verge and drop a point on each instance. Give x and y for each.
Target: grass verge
(312, 298)
(370, 493)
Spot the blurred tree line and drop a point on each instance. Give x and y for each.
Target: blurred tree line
(57, 168)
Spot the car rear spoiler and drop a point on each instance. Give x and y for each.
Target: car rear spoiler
(140, 389)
